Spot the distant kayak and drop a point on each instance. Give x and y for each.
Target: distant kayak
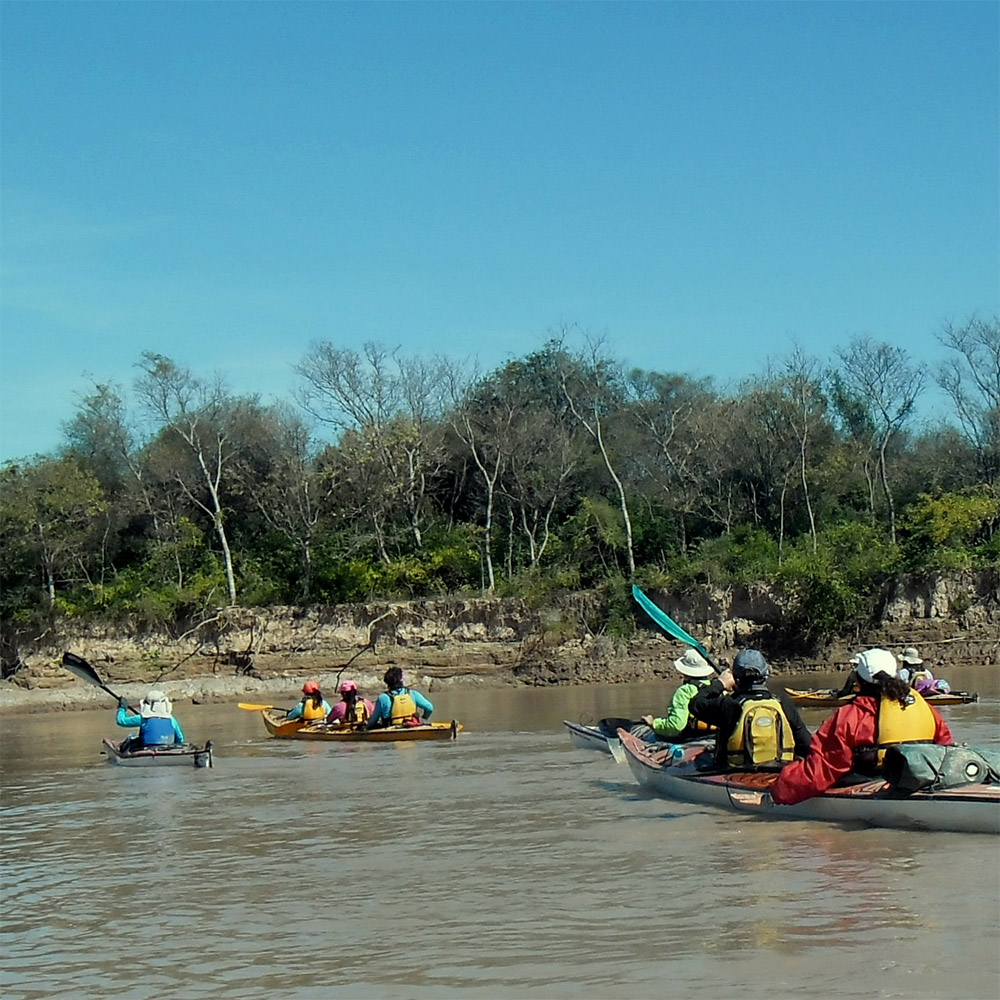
(297, 729)
(827, 697)
(184, 754)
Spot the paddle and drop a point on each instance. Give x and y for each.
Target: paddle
(249, 706)
(81, 668)
(669, 625)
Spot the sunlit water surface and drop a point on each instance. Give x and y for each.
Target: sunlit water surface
(504, 864)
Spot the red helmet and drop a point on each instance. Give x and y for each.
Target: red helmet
(310, 687)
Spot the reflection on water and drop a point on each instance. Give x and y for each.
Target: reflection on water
(504, 864)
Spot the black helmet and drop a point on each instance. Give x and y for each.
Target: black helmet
(750, 667)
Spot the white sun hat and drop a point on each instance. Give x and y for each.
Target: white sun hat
(911, 656)
(156, 705)
(876, 661)
(693, 664)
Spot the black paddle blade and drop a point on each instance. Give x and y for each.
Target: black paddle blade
(81, 668)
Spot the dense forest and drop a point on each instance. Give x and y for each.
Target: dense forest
(392, 476)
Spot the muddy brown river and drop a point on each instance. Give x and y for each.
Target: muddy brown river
(504, 864)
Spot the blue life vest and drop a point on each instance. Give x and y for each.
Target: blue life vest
(157, 732)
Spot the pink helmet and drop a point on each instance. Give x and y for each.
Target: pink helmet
(348, 686)
(310, 687)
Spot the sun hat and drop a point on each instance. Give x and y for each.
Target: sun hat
(348, 685)
(310, 687)
(155, 705)
(876, 661)
(855, 659)
(911, 656)
(693, 664)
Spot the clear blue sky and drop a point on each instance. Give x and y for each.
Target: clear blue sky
(704, 183)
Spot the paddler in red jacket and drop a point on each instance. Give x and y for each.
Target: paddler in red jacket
(884, 711)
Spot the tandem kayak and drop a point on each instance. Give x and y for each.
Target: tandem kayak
(827, 697)
(969, 809)
(183, 754)
(280, 728)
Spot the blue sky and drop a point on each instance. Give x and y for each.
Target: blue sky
(702, 183)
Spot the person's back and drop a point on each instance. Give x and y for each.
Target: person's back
(853, 740)
(313, 707)
(757, 728)
(352, 709)
(155, 719)
(399, 705)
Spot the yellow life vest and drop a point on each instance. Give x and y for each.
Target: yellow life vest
(403, 708)
(358, 714)
(311, 712)
(762, 736)
(912, 723)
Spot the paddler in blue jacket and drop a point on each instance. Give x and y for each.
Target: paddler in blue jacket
(156, 722)
(398, 705)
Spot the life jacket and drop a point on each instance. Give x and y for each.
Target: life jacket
(404, 709)
(358, 714)
(157, 732)
(762, 737)
(312, 712)
(912, 723)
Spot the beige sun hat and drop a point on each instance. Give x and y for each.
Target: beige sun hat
(156, 705)
(693, 664)
(911, 656)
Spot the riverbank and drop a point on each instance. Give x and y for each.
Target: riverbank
(265, 654)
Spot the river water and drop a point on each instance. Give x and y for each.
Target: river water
(504, 864)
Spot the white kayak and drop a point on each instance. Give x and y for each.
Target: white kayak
(968, 809)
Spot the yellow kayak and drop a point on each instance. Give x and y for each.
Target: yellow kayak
(279, 727)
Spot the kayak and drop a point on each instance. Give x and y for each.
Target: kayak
(826, 697)
(969, 809)
(280, 728)
(185, 754)
(587, 737)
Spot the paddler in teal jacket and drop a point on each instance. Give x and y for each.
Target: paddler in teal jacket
(398, 705)
(156, 722)
(679, 723)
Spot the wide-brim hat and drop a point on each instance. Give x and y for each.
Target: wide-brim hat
(911, 656)
(156, 705)
(693, 664)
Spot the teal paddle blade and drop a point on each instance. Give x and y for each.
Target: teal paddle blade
(665, 622)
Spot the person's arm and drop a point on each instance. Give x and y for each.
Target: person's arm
(942, 734)
(295, 713)
(800, 731)
(124, 719)
(178, 732)
(830, 757)
(383, 706)
(710, 703)
(422, 704)
(676, 719)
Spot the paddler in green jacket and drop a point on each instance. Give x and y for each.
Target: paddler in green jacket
(678, 723)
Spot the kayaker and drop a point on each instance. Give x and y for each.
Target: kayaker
(927, 684)
(850, 687)
(911, 658)
(757, 728)
(313, 707)
(352, 707)
(679, 724)
(853, 739)
(155, 719)
(399, 705)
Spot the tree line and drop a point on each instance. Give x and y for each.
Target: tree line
(560, 470)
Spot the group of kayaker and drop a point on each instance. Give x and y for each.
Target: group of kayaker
(760, 728)
(398, 705)
(910, 660)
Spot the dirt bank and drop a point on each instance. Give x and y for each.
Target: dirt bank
(264, 654)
